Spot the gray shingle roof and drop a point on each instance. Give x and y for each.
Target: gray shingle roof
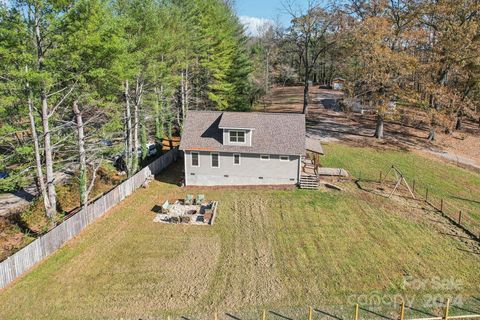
(273, 133)
(314, 145)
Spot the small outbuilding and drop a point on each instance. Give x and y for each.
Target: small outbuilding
(338, 84)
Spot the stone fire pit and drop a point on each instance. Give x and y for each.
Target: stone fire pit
(180, 213)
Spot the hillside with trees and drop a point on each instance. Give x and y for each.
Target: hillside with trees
(83, 81)
(421, 55)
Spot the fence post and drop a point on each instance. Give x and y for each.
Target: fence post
(446, 309)
(264, 315)
(460, 217)
(356, 312)
(441, 205)
(426, 195)
(380, 177)
(402, 311)
(413, 186)
(310, 313)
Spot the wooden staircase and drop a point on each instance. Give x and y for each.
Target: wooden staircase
(309, 181)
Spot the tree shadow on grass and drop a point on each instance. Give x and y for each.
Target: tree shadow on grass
(232, 316)
(420, 311)
(469, 251)
(280, 315)
(376, 313)
(464, 199)
(466, 310)
(328, 314)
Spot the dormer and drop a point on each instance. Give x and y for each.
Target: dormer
(237, 137)
(236, 131)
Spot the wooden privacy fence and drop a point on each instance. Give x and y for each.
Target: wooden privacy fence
(23, 260)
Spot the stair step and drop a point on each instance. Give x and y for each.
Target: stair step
(309, 181)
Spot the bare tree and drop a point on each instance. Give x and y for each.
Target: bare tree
(84, 190)
(36, 145)
(128, 130)
(312, 31)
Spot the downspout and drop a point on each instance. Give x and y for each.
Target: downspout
(185, 166)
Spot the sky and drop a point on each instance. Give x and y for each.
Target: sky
(254, 13)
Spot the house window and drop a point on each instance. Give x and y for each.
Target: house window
(284, 158)
(215, 160)
(264, 157)
(195, 159)
(237, 136)
(236, 159)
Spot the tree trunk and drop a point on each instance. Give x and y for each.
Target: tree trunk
(136, 108)
(143, 140)
(159, 122)
(305, 96)
(81, 155)
(458, 124)
(267, 70)
(183, 94)
(432, 135)
(38, 159)
(128, 135)
(187, 98)
(379, 127)
(52, 196)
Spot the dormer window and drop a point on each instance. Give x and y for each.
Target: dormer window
(237, 136)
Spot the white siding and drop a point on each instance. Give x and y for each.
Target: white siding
(250, 171)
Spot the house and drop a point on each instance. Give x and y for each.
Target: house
(242, 148)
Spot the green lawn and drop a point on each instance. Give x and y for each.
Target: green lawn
(279, 249)
(457, 186)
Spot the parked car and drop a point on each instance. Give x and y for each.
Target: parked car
(106, 143)
(152, 149)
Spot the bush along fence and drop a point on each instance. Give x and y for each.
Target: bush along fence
(463, 217)
(24, 259)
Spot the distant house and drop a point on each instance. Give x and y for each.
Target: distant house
(338, 84)
(243, 148)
